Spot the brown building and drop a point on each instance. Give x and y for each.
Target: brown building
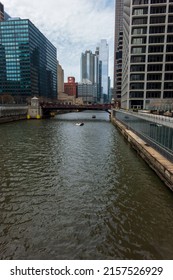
(70, 87)
(60, 80)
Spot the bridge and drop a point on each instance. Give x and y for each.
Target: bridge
(42, 109)
(48, 107)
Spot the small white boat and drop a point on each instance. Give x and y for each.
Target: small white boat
(80, 124)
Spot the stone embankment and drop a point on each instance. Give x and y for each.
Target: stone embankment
(12, 112)
(162, 166)
(12, 118)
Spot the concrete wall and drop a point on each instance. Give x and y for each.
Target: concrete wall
(162, 166)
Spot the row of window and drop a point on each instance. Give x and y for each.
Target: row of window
(152, 40)
(153, 49)
(138, 2)
(153, 94)
(151, 77)
(151, 67)
(150, 85)
(152, 30)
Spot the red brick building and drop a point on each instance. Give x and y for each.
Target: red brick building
(70, 87)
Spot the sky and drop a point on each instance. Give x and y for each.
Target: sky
(72, 26)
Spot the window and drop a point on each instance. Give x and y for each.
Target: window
(154, 77)
(155, 58)
(169, 57)
(155, 49)
(169, 48)
(158, 10)
(168, 85)
(153, 85)
(156, 39)
(138, 58)
(170, 28)
(157, 29)
(136, 77)
(168, 76)
(136, 94)
(153, 94)
(138, 2)
(169, 39)
(157, 19)
(137, 86)
(155, 67)
(138, 21)
(157, 1)
(137, 68)
(138, 49)
(168, 94)
(169, 67)
(138, 12)
(170, 9)
(139, 31)
(170, 19)
(139, 40)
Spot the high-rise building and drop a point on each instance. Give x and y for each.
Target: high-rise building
(147, 75)
(89, 67)
(88, 88)
(60, 82)
(118, 45)
(103, 55)
(28, 61)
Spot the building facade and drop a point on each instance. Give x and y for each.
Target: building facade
(89, 67)
(70, 87)
(147, 74)
(103, 55)
(118, 45)
(88, 89)
(60, 81)
(28, 61)
(88, 92)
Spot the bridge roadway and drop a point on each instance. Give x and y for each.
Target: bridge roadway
(57, 106)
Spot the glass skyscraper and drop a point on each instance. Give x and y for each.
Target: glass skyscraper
(28, 61)
(103, 53)
(89, 67)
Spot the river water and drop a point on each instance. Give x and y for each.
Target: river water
(79, 192)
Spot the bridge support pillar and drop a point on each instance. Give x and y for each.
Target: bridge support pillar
(34, 110)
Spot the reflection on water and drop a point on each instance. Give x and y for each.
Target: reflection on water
(71, 192)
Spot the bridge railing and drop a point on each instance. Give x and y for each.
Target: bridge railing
(75, 106)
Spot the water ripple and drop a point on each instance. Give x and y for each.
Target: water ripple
(70, 192)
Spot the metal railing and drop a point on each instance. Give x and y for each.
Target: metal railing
(153, 131)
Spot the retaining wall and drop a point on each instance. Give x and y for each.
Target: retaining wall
(162, 166)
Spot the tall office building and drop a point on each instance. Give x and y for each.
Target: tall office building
(89, 67)
(118, 45)
(88, 88)
(103, 55)
(60, 80)
(28, 63)
(147, 75)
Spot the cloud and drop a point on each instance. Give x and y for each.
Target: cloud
(73, 26)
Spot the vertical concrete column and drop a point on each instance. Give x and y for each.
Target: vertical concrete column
(34, 110)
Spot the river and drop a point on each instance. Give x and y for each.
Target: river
(79, 192)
